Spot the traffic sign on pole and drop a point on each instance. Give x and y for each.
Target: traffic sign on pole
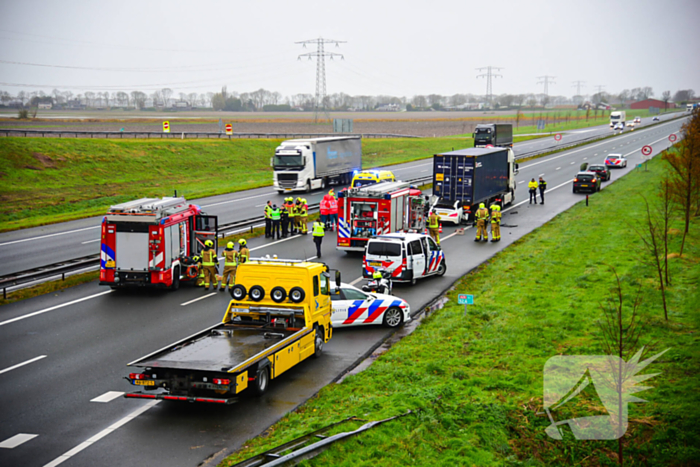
(229, 129)
(465, 299)
(672, 137)
(646, 150)
(557, 137)
(166, 127)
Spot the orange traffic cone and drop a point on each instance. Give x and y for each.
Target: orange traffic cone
(426, 231)
(440, 231)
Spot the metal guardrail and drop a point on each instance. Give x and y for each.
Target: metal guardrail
(183, 134)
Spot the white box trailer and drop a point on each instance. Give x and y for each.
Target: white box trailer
(310, 164)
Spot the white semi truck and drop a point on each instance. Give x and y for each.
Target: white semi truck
(617, 117)
(310, 164)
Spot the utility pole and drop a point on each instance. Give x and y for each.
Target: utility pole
(489, 75)
(546, 80)
(320, 55)
(577, 85)
(600, 87)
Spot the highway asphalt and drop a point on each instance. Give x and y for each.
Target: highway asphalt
(64, 354)
(40, 246)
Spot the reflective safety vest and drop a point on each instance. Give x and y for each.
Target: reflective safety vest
(268, 210)
(209, 257)
(334, 205)
(532, 185)
(230, 257)
(376, 275)
(290, 209)
(275, 214)
(496, 217)
(318, 229)
(303, 209)
(297, 209)
(482, 213)
(433, 224)
(243, 255)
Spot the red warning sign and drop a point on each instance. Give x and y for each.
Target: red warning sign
(557, 137)
(229, 129)
(489, 146)
(166, 127)
(646, 150)
(672, 137)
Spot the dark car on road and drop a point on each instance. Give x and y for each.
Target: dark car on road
(587, 181)
(602, 171)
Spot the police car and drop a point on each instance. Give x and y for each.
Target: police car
(409, 256)
(353, 307)
(615, 160)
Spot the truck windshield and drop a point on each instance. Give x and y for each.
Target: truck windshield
(287, 161)
(384, 249)
(483, 131)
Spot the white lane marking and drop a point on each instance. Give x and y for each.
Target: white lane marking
(47, 236)
(595, 154)
(198, 299)
(423, 170)
(108, 396)
(239, 199)
(53, 308)
(412, 167)
(572, 162)
(90, 241)
(356, 281)
(585, 158)
(309, 259)
(86, 444)
(16, 440)
(541, 175)
(22, 364)
(557, 168)
(521, 181)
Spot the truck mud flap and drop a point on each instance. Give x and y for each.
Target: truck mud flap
(168, 397)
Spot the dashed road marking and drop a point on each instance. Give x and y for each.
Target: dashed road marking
(19, 318)
(22, 364)
(107, 396)
(16, 440)
(198, 299)
(557, 168)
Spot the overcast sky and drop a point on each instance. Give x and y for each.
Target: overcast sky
(399, 48)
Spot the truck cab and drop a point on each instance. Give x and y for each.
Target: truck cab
(280, 315)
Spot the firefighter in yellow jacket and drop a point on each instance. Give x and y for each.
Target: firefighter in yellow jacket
(482, 214)
(304, 211)
(209, 264)
(230, 264)
(434, 226)
(243, 251)
(496, 224)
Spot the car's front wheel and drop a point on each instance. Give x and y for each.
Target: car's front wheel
(393, 317)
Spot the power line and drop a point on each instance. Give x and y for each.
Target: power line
(577, 85)
(546, 80)
(599, 87)
(489, 75)
(320, 55)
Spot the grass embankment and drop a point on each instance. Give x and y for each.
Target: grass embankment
(477, 380)
(54, 180)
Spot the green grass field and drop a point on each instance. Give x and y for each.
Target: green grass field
(53, 180)
(476, 381)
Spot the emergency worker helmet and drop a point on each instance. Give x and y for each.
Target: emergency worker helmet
(482, 205)
(242, 242)
(208, 243)
(229, 245)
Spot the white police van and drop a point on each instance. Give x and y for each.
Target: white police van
(409, 256)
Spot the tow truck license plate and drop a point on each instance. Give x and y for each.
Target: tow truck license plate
(144, 382)
(375, 263)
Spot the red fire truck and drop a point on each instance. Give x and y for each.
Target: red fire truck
(378, 209)
(150, 242)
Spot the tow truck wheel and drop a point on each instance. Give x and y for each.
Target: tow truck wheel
(318, 343)
(278, 294)
(238, 292)
(262, 380)
(442, 269)
(297, 294)
(393, 317)
(256, 293)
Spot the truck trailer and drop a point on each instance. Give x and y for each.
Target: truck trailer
(149, 242)
(310, 164)
(493, 134)
(618, 117)
(279, 316)
(378, 209)
(465, 178)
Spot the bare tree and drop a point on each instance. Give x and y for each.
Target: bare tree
(666, 96)
(684, 178)
(166, 94)
(620, 337)
(192, 98)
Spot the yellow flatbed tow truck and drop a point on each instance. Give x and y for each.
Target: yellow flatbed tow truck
(280, 315)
